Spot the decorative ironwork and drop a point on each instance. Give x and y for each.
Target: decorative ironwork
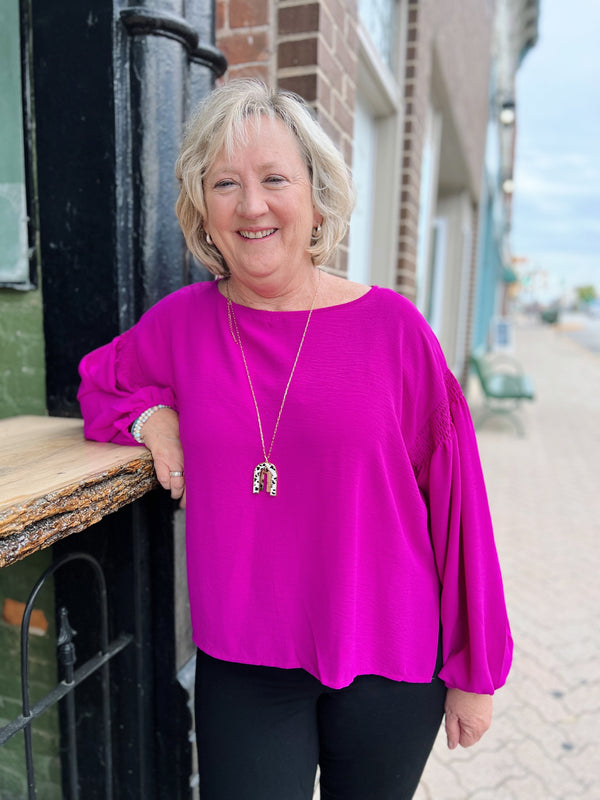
(72, 678)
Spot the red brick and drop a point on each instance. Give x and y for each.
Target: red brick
(248, 13)
(221, 14)
(347, 152)
(342, 115)
(327, 28)
(337, 11)
(299, 19)
(304, 85)
(330, 66)
(325, 95)
(351, 35)
(249, 71)
(301, 53)
(244, 48)
(330, 129)
(13, 611)
(346, 56)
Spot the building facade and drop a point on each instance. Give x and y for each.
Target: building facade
(402, 88)
(411, 91)
(515, 33)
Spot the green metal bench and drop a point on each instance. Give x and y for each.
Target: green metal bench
(504, 386)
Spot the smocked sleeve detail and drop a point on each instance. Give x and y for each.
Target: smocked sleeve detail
(476, 638)
(438, 428)
(121, 380)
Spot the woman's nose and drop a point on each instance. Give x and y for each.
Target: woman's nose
(252, 202)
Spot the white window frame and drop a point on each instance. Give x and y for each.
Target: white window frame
(437, 274)
(430, 167)
(381, 94)
(461, 333)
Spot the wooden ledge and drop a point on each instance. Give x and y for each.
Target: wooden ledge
(54, 483)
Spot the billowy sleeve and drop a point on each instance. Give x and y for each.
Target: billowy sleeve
(476, 637)
(122, 379)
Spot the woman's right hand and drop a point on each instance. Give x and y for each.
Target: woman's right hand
(160, 433)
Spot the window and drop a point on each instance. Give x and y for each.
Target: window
(364, 157)
(14, 237)
(377, 144)
(380, 19)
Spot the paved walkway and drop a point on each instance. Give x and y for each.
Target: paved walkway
(544, 492)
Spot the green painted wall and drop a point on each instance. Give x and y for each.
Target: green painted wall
(22, 369)
(22, 377)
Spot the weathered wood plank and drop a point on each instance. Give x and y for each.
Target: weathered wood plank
(53, 482)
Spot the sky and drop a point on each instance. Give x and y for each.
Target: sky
(556, 204)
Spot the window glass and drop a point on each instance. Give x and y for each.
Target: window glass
(379, 18)
(14, 261)
(364, 150)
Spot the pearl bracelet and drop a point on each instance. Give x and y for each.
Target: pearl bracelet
(136, 427)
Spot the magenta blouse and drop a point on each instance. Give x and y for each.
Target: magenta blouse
(380, 533)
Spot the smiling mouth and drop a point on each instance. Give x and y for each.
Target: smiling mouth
(256, 234)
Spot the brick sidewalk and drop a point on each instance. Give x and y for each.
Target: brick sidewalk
(544, 492)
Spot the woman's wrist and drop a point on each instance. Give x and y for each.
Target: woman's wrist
(136, 426)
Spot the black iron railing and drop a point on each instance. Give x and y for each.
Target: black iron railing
(71, 678)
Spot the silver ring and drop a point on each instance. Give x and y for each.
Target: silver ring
(176, 474)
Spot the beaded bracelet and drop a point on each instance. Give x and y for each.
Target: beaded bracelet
(136, 427)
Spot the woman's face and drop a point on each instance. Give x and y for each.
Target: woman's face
(259, 210)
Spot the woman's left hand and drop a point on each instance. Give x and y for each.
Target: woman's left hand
(468, 716)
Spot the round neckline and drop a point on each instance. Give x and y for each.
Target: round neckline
(244, 308)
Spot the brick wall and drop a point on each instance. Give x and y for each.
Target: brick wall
(416, 93)
(244, 33)
(458, 36)
(317, 48)
(310, 47)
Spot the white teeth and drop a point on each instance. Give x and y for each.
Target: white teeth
(257, 234)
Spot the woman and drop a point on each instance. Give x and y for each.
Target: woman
(344, 584)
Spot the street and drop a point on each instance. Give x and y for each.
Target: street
(584, 329)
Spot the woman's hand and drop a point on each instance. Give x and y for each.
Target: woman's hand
(468, 716)
(160, 433)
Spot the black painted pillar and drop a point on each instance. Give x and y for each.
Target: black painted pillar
(112, 85)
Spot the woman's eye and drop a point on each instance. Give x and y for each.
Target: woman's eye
(224, 184)
(275, 179)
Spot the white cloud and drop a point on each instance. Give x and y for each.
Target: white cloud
(537, 184)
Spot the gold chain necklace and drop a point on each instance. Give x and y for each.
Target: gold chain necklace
(265, 473)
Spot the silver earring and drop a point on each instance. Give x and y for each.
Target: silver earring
(209, 241)
(316, 231)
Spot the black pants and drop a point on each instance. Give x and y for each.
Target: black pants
(261, 732)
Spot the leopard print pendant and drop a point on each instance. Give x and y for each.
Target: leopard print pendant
(265, 479)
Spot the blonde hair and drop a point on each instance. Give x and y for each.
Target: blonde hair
(218, 122)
